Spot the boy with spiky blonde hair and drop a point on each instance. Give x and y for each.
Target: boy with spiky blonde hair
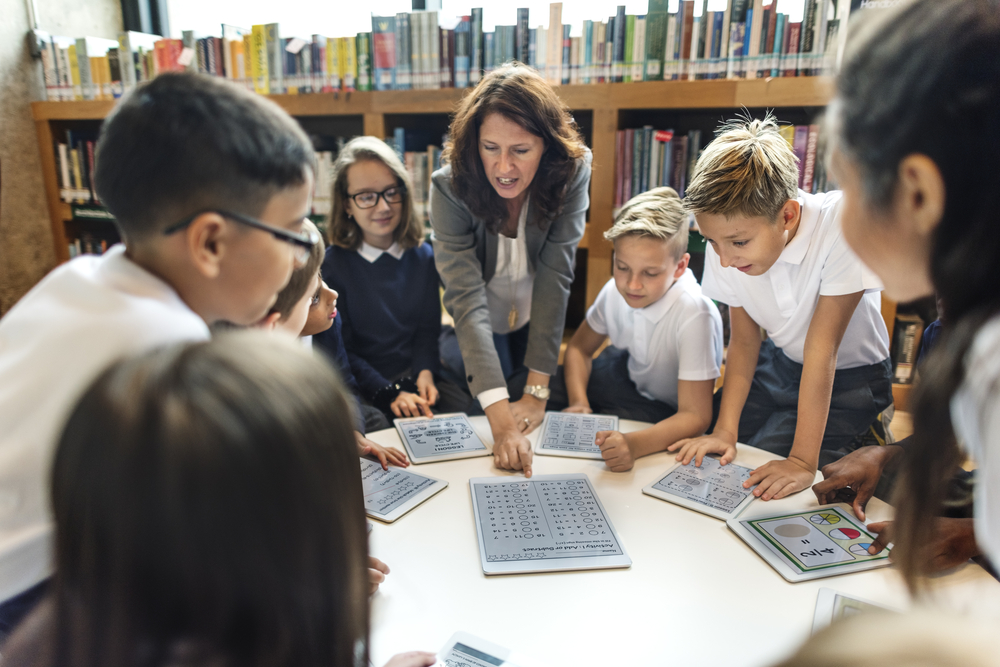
(776, 256)
(666, 337)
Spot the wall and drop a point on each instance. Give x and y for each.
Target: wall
(26, 250)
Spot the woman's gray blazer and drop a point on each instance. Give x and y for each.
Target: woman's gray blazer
(466, 258)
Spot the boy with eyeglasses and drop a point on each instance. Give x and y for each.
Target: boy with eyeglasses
(209, 186)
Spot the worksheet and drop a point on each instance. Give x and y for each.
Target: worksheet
(811, 544)
(548, 523)
(713, 489)
(467, 650)
(440, 438)
(832, 606)
(572, 434)
(389, 494)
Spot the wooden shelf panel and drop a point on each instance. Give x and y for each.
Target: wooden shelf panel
(729, 93)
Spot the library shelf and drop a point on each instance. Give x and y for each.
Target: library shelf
(603, 104)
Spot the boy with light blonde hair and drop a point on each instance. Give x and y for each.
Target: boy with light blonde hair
(776, 256)
(666, 337)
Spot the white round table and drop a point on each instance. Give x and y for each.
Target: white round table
(696, 594)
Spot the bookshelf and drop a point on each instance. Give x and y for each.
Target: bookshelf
(600, 109)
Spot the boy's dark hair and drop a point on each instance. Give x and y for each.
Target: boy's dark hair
(925, 79)
(187, 142)
(207, 499)
(301, 278)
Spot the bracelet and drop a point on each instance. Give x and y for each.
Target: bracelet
(386, 395)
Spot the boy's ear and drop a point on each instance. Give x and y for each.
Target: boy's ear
(682, 266)
(270, 322)
(206, 239)
(790, 212)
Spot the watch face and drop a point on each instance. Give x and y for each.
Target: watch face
(538, 391)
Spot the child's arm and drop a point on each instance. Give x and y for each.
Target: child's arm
(577, 364)
(778, 479)
(694, 414)
(741, 363)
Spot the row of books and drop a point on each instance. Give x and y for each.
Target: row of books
(647, 158)
(746, 39)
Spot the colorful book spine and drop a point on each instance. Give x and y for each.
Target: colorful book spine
(522, 40)
(404, 68)
(364, 48)
(475, 45)
(384, 51)
(462, 50)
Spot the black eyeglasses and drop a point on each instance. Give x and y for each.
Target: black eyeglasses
(393, 195)
(302, 242)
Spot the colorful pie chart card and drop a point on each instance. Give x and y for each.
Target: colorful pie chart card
(811, 544)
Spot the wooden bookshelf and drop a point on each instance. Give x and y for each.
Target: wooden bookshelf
(604, 102)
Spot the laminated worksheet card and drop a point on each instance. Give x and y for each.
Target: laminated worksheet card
(572, 434)
(810, 544)
(440, 438)
(466, 650)
(549, 523)
(712, 489)
(389, 494)
(832, 606)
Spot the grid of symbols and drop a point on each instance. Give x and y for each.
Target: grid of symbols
(542, 520)
(717, 486)
(817, 539)
(574, 433)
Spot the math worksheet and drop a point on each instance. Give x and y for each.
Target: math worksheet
(712, 488)
(440, 438)
(389, 494)
(571, 434)
(548, 523)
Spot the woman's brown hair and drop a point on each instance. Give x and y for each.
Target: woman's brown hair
(519, 94)
(344, 231)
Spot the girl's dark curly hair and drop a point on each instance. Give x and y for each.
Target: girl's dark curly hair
(518, 93)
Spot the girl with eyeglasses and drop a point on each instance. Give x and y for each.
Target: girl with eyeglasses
(387, 283)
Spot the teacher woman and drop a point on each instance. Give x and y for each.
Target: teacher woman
(508, 211)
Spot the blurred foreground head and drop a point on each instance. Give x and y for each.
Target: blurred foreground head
(209, 512)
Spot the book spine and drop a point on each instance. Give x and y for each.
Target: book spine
(364, 46)
(638, 48)
(566, 53)
(812, 142)
(462, 52)
(791, 58)
(404, 71)
(687, 35)
(488, 53)
(433, 71)
(475, 45)
(553, 58)
(619, 167)
(799, 147)
(350, 63)
(656, 40)
(523, 38)
(384, 51)
(574, 60)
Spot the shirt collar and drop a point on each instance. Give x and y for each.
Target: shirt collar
(654, 312)
(371, 253)
(795, 251)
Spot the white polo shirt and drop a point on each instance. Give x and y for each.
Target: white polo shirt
(975, 414)
(676, 338)
(816, 262)
(81, 317)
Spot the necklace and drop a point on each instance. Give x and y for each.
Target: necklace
(513, 255)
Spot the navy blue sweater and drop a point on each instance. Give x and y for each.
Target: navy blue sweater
(332, 344)
(392, 313)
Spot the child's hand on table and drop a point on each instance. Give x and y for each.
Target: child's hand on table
(697, 448)
(385, 455)
(426, 387)
(952, 543)
(615, 450)
(778, 479)
(412, 659)
(411, 405)
(376, 573)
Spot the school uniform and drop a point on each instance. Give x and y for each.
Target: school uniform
(79, 319)
(678, 337)
(816, 262)
(391, 306)
(976, 420)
